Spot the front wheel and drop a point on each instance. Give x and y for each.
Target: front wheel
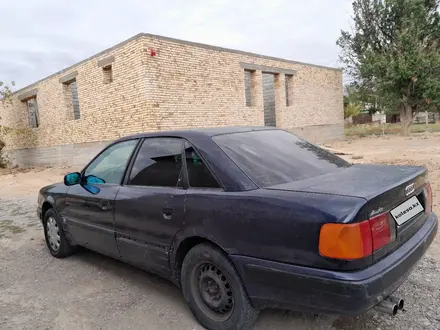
(56, 240)
(214, 292)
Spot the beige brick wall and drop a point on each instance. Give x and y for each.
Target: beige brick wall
(183, 86)
(205, 87)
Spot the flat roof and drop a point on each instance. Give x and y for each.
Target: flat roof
(191, 43)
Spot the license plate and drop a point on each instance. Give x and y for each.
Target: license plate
(407, 210)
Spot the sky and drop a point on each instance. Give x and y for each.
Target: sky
(41, 37)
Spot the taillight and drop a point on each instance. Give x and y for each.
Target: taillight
(428, 198)
(345, 241)
(383, 230)
(358, 240)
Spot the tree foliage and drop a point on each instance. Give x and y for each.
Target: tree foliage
(5, 90)
(353, 102)
(352, 109)
(393, 52)
(352, 94)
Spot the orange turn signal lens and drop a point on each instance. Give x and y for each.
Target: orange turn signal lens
(346, 241)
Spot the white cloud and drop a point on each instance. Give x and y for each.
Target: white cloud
(41, 37)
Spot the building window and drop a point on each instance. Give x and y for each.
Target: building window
(107, 74)
(248, 77)
(288, 84)
(72, 101)
(75, 101)
(32, 107)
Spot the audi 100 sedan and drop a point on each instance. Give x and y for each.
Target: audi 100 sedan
(245, 218)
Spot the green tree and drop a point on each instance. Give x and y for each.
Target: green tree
(394, 52)
(352, 94)
(352, 109)
(353, 102)
(5, 90)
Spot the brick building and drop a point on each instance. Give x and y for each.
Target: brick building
(150, 83)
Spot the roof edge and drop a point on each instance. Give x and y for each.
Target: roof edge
(185, 42)
(242, 52)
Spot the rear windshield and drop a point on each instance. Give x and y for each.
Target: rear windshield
(275, 157)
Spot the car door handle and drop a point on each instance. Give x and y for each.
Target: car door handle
(167, 213)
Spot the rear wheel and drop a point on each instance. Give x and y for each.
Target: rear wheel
(214, 291)
(56, 240)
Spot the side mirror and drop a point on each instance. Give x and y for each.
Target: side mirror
(72, 179)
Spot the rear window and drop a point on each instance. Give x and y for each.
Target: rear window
(275, 157)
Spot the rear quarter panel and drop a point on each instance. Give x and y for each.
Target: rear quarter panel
(273, 225)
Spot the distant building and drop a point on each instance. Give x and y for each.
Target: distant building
(426, 118)
(150, 83)
(419, 118)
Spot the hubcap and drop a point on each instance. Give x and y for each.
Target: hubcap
(214, 294)
(53, 234)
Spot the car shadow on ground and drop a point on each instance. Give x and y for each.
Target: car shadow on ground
(128, 273)
(143, 281)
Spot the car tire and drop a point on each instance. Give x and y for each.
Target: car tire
(214, 291)
(55, 237)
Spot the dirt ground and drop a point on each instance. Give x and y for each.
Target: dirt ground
(89, 291)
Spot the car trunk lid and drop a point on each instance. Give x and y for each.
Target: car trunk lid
(362, 180)
(398, 191)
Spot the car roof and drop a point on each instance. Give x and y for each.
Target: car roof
(199, 132)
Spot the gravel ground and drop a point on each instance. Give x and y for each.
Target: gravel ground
(89, 291)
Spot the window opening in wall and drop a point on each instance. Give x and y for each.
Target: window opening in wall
(248, 75)
(107, 74)
(269, 99)
(72, 101)
(32, 107)
(288, 84)
(75, 100)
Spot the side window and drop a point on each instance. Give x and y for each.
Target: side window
(110, 165)
(158, 163)
(199, 175)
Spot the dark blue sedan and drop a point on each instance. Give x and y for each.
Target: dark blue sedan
(247, 218)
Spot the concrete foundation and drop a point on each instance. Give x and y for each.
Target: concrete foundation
(318, 134)
(78, 155)
(72, 155)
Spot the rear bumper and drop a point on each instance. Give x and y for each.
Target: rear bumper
(276, 285)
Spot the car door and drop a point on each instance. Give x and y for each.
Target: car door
(90, 216)
(149, 207)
